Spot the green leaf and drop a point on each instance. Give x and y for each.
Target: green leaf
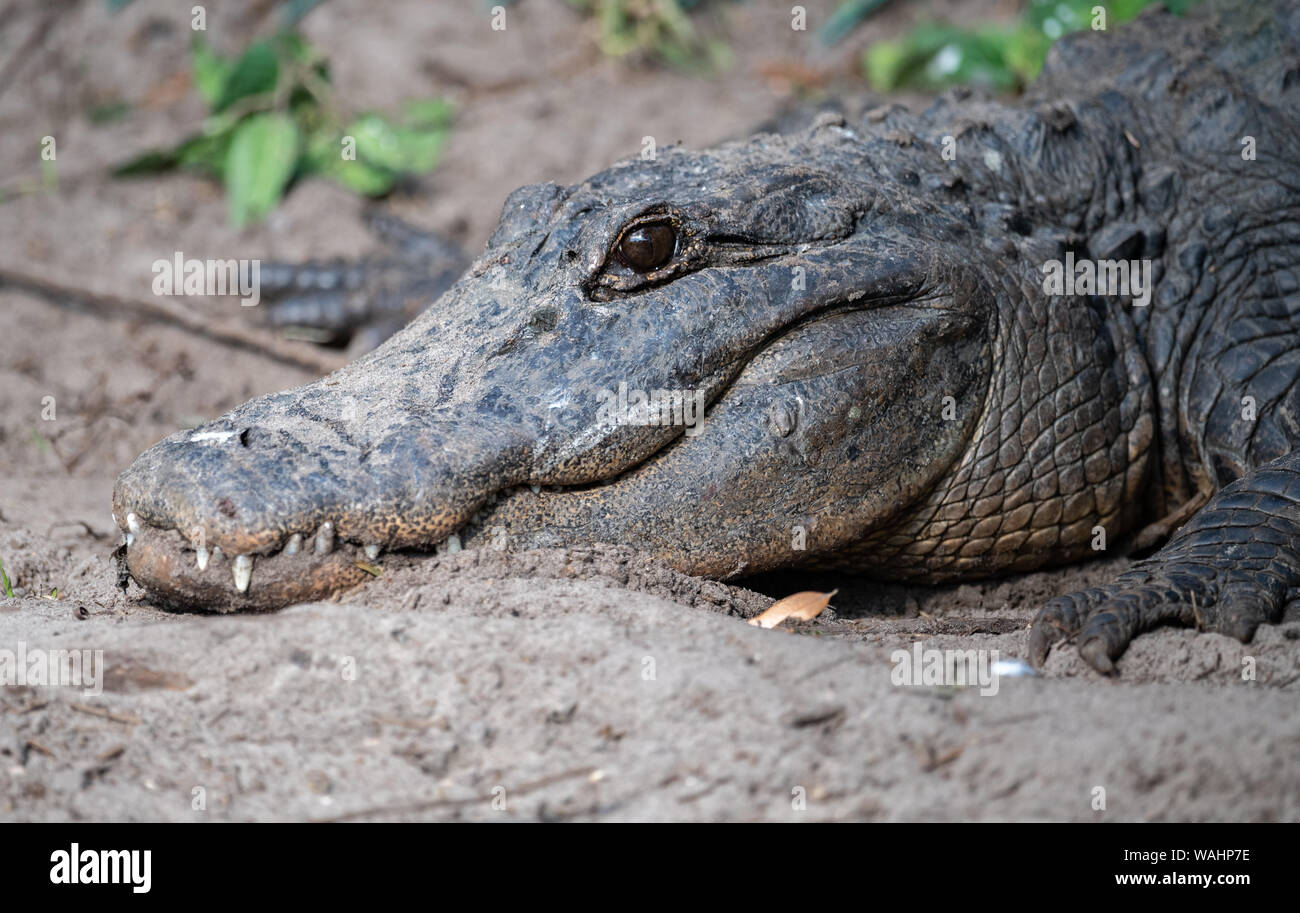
(846, 18)
(205, 153)
(401, 149)
(4, 580)
(152, 161)
(1025, 51)
(422, 148)
(255, 72)
(884, 62)
(210, 71)
(261, 159)
(324, 156)
(429, 112)
(360, 177)
(377, 141)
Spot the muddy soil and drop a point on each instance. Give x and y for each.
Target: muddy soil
(581, 683)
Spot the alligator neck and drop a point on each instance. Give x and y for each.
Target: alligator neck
(1060, 460)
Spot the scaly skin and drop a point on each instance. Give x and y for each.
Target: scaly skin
(888, 385)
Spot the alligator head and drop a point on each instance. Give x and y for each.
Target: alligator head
(733, 359)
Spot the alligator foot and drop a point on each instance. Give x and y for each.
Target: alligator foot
(360, 303)
(1228, 571)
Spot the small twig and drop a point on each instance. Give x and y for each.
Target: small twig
(128, 719)
(431, 804)
(89, 530)
(37, 746)
(112, 754)
(167, 311)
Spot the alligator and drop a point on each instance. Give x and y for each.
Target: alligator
(837, 347)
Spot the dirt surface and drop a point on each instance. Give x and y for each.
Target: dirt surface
(589, 684)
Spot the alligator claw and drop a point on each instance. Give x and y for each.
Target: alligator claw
(1209, 576)
(1094, 654)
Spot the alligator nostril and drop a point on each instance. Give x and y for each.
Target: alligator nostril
(226, 506)
(544, 320)
(243, 437)
(782, 418)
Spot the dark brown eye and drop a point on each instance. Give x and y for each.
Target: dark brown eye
(647, 247)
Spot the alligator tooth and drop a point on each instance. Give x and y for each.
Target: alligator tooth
(243, 573)
(372, 551)
(325, 539)
(216, 553)
(130, 540)
(453, 544)
(201, 556)
(132, 523)
(537, 489)
(294, 545)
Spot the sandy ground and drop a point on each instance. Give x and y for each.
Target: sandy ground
(546, 685)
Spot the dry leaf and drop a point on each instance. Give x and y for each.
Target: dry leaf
(803, 606)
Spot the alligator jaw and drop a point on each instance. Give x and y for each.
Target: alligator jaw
(305, 566)
(180, 574)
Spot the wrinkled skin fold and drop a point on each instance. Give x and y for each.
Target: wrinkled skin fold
(868, 371)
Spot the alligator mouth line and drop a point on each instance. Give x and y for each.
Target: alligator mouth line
(307, 565)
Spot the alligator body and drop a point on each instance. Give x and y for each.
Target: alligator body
(838, 347)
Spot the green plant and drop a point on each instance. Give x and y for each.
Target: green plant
(848, 16)
(999, 57)
(659, 29)
(4, 581)
(274, 120)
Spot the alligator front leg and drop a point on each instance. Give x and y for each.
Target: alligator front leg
(362, 302)
(1228, 570)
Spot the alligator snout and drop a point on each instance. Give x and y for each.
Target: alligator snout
(286, 499)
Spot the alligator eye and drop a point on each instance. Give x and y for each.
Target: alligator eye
(647, 247)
